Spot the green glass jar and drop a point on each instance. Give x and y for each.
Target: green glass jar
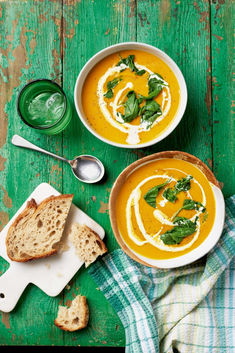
(42, 105)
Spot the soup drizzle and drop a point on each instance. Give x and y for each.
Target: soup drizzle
(117, 120)
(182, 226)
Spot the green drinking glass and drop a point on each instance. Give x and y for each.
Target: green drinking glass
(42, 105)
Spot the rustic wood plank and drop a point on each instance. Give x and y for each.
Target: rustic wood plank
(182, 30)
(85, 33)
(35, 38)
(223, 94)
(27, 52)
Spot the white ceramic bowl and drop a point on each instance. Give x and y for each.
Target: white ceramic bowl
(130, 46)
(192, 255)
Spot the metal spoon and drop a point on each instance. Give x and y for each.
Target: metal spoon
(86, 168)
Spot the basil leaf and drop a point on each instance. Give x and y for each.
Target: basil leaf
(140, 98)
(193, 205)
(129, 61)
(151, 195)
(114, 82)
(182, 184)
(183, 228)
(150, 112)
(131, 107)
(170, 194)
(190, 205)
(155, 87)
(109, 94)
(140, 72)
(111, 85)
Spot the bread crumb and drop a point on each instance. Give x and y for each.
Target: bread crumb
(75, 317)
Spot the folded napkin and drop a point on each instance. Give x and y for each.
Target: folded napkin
(188, 310)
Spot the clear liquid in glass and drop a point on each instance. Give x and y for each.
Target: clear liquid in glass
(46, 108)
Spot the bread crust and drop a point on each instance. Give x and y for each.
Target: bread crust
(84, 322)
(31, 204)
(104, 248)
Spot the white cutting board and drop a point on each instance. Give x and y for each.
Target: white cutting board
(50, 274)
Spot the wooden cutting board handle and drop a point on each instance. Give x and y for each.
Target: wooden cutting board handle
(11, 289)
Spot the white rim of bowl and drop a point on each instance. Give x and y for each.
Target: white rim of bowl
(138, 46)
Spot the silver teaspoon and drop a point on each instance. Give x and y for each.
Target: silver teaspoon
(86, 168)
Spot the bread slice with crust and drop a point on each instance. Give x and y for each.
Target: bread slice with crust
(75, 317)
(87, 243)
(38, 228)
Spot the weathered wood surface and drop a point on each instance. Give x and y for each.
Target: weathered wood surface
(54, 39)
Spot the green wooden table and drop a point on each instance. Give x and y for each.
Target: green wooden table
(54, 39)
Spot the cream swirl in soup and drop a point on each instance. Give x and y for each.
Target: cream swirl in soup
(130, 97)
(165, 209)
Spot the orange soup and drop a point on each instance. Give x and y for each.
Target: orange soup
(165, 209)
(130, 97)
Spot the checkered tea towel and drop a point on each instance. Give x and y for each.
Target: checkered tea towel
(188, 310)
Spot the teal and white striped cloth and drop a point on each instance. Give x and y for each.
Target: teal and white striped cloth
(188, 310)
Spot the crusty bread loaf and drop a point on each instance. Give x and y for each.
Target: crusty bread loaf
(87, 243)
(75, 317)
(38, 228)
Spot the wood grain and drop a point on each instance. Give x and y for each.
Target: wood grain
(54, 39)
(180, 29)
(26, 54)
(222, 111)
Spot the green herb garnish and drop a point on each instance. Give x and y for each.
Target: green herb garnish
(170, 194)
(155, 87)
(190, 205)
(182, 185)
(131, 107)
(151, 109)
(149, 112)
(151, 195)
(109, 94)
(129, 61)
(140, 72)
(111, 85)
(205, 217)
(183, 228)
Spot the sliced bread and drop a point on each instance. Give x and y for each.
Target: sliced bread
(87, 243)
(75, 317)
(38, 228)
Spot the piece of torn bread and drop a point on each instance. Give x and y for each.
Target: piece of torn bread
(75, 317)
(38, 228)
(87, 243)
